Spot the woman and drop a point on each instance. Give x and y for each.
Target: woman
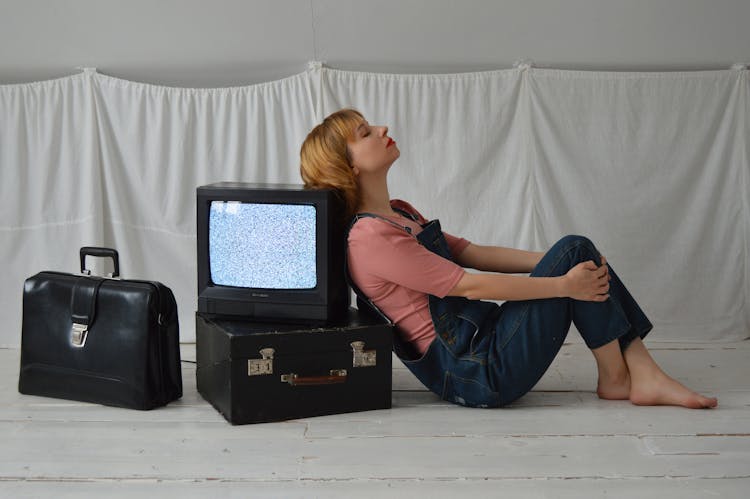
(473, 352)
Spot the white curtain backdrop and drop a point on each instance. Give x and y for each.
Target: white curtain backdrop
(653, 167)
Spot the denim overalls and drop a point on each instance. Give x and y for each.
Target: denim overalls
(487, 355)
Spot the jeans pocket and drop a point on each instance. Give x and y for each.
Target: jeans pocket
(477, 336)
(456, 334)
(468, 392)
(462, 325)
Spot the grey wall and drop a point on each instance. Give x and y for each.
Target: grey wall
(204, 43)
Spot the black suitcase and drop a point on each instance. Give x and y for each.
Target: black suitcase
(103, 340)
(260, 372)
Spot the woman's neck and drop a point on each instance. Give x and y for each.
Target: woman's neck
(375, 197)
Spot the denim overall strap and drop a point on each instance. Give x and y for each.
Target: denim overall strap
(451, 313)
(458, 357)
(403, 349)
(358, 292)
(361, 297)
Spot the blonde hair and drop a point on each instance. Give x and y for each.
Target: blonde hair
(325, 161)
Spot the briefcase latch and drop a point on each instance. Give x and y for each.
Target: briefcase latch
(78, 334)
(362, 357)
(257, 367)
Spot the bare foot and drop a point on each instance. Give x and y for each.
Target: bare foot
(613, 387)
(664, 390)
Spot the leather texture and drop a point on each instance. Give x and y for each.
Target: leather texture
(129, 356)
(226, 348)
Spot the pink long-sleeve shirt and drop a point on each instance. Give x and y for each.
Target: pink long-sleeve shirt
(397, 273)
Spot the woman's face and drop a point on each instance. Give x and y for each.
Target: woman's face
(371, 150)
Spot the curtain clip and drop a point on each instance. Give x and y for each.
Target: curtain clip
(86, 70)
(315, 65)
(739, 66)
(523, 64)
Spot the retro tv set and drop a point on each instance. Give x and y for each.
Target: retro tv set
(271, 252)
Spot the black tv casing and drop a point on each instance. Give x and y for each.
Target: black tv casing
(328, 301)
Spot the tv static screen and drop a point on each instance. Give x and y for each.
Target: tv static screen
(267, 246)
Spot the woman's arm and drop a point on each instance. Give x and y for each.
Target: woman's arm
(499, 259)
(507, 287)
(585, 282)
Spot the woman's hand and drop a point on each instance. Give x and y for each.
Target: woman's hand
(587, 282)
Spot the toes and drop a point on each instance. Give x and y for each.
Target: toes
(710, 402)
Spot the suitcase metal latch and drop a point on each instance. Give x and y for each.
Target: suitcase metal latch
(362, 357)
(257, 367)
(78, 334)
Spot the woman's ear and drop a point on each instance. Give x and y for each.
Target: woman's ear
(355, 170)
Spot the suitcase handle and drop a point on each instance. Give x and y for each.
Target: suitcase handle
(103, 252)
(336, 376)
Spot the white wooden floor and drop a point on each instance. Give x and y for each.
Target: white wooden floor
(560, 440)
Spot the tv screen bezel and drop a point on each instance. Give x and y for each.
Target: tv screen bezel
(264, 194)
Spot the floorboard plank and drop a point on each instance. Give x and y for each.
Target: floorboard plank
(645, 488)
(195, 451)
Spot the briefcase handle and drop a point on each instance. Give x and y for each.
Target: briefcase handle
(335, 377)
(103, 252)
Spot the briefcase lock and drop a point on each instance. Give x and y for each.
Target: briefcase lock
(78, 334)
(257, 367)
(362, 357)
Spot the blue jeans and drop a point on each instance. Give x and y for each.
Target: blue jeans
(489, 356)
(485, 355)
(529, 333)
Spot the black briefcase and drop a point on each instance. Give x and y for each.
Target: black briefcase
(259, 372)
(104, 340)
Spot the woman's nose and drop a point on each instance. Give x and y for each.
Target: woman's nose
(383, 131)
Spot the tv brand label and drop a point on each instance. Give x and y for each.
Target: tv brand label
(260, 295)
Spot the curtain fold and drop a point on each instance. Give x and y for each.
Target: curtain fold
(743, 139)
(653, 167)
(50, 180)
(649, 167)
(461, 138)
